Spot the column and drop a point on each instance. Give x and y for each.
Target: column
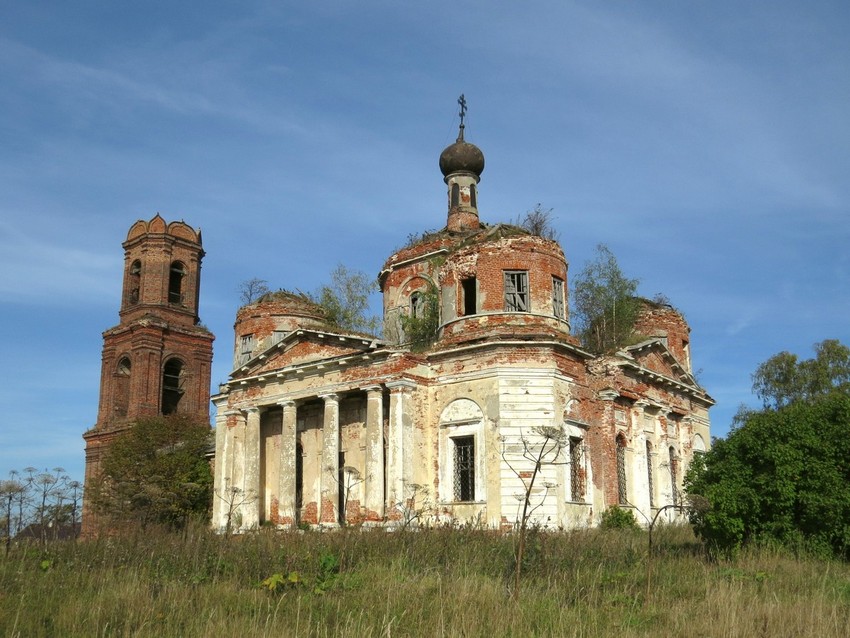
(329, 480)
(220, 479)
(400, 443)
(374, 453)
(251, 471)
(286, 507)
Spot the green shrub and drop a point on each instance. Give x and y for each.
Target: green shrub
(616, 517)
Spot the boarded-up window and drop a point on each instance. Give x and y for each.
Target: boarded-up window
(558, 306)
(516, 291)
(246, 347)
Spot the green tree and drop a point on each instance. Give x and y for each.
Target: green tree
(780, 476)
(783, 379)
(156, 472)
(420, 330)
(346, 300)
(605, 305)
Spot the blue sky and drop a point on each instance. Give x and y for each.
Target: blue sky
(706, 143)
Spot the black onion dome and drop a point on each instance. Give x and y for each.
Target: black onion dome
(461, 156)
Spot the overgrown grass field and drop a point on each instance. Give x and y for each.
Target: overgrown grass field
(439, 582)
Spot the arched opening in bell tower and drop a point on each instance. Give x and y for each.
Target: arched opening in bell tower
(172, 385)
(175, 282)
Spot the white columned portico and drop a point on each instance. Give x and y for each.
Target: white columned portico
(251, 507)
(286, 500)
(329, 480)
(374, 453)
(400, 443)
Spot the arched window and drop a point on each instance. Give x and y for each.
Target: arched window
(175, 282)
(674, 472)
(650, 479)
(135, 282)
(472, 196)
(622, 487)
(455, 195)
(172, 385)
(122, 386)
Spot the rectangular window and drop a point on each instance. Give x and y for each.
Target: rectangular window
(464, 468)
(246, 347)
(576, 471)
(470, 303)
(558, 307)
(516, 291)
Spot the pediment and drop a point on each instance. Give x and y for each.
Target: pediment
(305, 347)
(653, 356)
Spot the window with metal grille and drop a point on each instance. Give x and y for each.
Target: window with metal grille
(464, 468)
(674, 470)
(576, 471)
(558, 308)
(622, 491)
(649, 479)
(516, 291)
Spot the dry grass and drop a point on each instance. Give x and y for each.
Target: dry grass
(427, 583)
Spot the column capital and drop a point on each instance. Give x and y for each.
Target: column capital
(400, 385)
(608, 394)
(233, 413)
(330, 397)
(372, 389)
(287, 403)
(251, 410)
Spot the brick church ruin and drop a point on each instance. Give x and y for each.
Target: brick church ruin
(318, 425)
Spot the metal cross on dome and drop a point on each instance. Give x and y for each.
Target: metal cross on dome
(462, 101)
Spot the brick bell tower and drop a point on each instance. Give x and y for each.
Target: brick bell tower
(157, 360)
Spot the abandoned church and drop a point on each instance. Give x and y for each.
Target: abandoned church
(438, 420)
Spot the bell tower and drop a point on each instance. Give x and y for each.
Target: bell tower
(157, 360)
